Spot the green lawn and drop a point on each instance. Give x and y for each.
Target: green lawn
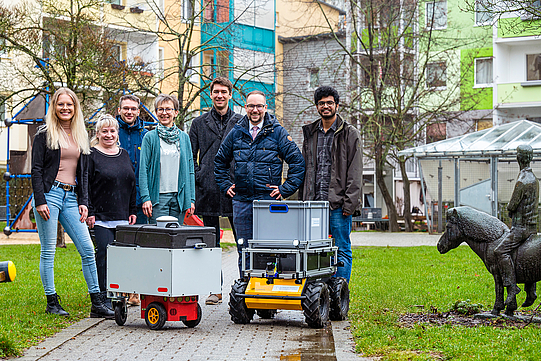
(387, 282)
(23, 321)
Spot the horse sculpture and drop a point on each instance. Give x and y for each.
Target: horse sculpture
(483, 233)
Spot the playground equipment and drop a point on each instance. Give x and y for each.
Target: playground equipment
(7, 271)
(168, 265)
(291, 264)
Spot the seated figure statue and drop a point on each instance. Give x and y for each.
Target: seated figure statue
(523, 212)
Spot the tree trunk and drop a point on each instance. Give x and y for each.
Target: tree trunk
(391, 208)
(60, 237)
(407, 196)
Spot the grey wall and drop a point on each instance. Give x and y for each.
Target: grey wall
(322, 53)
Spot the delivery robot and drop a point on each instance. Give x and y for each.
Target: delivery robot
(169, 265)
(292, 261)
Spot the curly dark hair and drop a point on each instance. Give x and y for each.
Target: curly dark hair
(325, 91)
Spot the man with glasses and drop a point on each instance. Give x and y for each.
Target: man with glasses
(206, 134)
(166, 174)
(258, 145)
(131, 132)
(333, 156)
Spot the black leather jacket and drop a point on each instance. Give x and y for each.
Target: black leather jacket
(45, 165)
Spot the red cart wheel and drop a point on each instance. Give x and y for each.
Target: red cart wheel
(155, 316)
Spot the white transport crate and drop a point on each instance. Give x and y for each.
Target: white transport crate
(164, 272)
(290, 220)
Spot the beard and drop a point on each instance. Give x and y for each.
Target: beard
(327, 114)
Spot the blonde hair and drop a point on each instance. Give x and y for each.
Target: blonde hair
(56, 136)
(105, 120)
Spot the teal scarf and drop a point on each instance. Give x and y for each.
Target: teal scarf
(170, 135)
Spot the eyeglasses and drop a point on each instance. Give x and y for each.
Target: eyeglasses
(329, 103)
(164, 110)
(127, 109)
(258, 106)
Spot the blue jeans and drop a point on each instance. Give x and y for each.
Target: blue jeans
(340, 228)
(167, 206)
(141, 218)
(63, 207)
(243, 217)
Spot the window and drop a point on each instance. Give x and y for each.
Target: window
(3, 50)
(436, 132)
(187, 10)
(436, 75)
(222, 57)
(2, 110)
(161, 62)
(533, 67)
(208, 64)
(209, 11)
(115, 2)
(483, 12)
(116, 52)
(314, 77)
(483, 72)
(436, 15)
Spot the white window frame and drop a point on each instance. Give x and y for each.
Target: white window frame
(482, 85)
(482, 17)
(428, 15)
(428, 67)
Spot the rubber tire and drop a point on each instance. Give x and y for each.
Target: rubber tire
(266, 314)
(240, 314)
(316, 304)
(155, 316)
(195, 322)
(339, 291)
(121, 314)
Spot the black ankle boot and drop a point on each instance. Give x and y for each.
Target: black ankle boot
(99, 309)
(106, 300)
(53, 306)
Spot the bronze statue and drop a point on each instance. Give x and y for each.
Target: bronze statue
(484, 234)
(523, 212)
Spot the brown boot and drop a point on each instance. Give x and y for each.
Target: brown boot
(134, 299)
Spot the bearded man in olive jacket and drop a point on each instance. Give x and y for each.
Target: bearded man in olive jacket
(206, 135)
(333, 156)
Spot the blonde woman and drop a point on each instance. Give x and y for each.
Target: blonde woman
(59, 179)
(111, 185)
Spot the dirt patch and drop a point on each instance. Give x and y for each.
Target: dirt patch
(454, 318)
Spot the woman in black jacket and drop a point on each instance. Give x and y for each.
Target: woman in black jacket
(59, 181)
(111, 184)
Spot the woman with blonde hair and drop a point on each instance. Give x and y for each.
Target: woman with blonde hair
(60, 182)
(111, 190)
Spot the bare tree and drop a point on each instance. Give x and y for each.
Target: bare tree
(57, 44)
(406, 77)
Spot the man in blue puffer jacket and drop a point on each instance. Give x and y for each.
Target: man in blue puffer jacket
(258, 145)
